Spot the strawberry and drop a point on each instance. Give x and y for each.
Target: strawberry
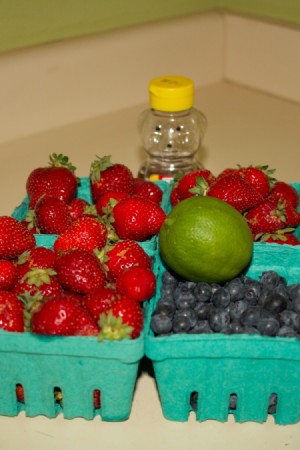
(283, 236)
(174, 196)
(63, 315)
(108, 200)
(236, 191)
(15, 238)
(147, 189)
(52, 215)
(79, 207)
(106, 176)
(292, 216)
(11, 312)
(38, 280)
(20, 396)
(259, 177)
(265, 218)
(58, 180)
(194, 183)
(137, 283)
(8, 275)
(284, 191)
(121, 255)
(37, 257)
(137, 218)
(99, 301)
(123, 320)
(86, 233)
(80, 271)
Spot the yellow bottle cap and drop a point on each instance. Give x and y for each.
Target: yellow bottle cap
(171, 93)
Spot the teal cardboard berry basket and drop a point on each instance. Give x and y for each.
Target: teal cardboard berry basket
(216, 367)
(77, 366)
(84, 191)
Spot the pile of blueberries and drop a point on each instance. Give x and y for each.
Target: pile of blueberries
(267, 306)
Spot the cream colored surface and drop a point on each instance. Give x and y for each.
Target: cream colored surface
(54, 104)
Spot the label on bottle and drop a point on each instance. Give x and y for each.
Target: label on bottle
(158, 177)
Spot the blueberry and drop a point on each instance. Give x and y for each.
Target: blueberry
(250, 330)
(236, 289)
(252, 292)
(203, 310)
(275, 302)
(218, 319)
(184, 297)
(268, 326)
(235, 327)
(289, 319)
(286, 331)
(184, 320)
(168, 278)
(251, 316)
(237, 309)
(201, 327)
(161, 324)
(294, 291)
(270, 279)
(202, 291)
(221, 298)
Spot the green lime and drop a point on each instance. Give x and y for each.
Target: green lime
(205, 239)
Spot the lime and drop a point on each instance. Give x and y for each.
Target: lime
(205, 239)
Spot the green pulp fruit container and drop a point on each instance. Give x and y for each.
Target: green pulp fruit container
(216, 366)
(77, 366)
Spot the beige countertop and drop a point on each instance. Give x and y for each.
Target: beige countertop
(245, 127)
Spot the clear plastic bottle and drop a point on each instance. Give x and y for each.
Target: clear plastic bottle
(171, 130)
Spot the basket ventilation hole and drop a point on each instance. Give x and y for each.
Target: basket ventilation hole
(97, 399)
(58, 396)
(194, 400)
(272, 403)
(233, 399)
(20, 394)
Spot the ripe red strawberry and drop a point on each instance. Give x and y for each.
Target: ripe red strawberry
(259, 177)
(8, 275)
(20, 396)
(86, 233)
(79, 207)
(63, 315)
(99, 301)
(15, 238)
(265, 218)
(147, 189)
(137, 218)
(174, 196)
(58, 180)
(292, 216)
(80, 271)
(236, 191)
(52, 215)
(193, 183)
(123, 254)
(38, 280)
(11, 312)
(123, 320)
(108, 200)
(283, 236)
(37, 257)
(284, 191)
(137, 283)
(106, 176)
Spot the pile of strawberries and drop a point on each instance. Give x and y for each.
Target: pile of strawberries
(270, 206)
(95, 278)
